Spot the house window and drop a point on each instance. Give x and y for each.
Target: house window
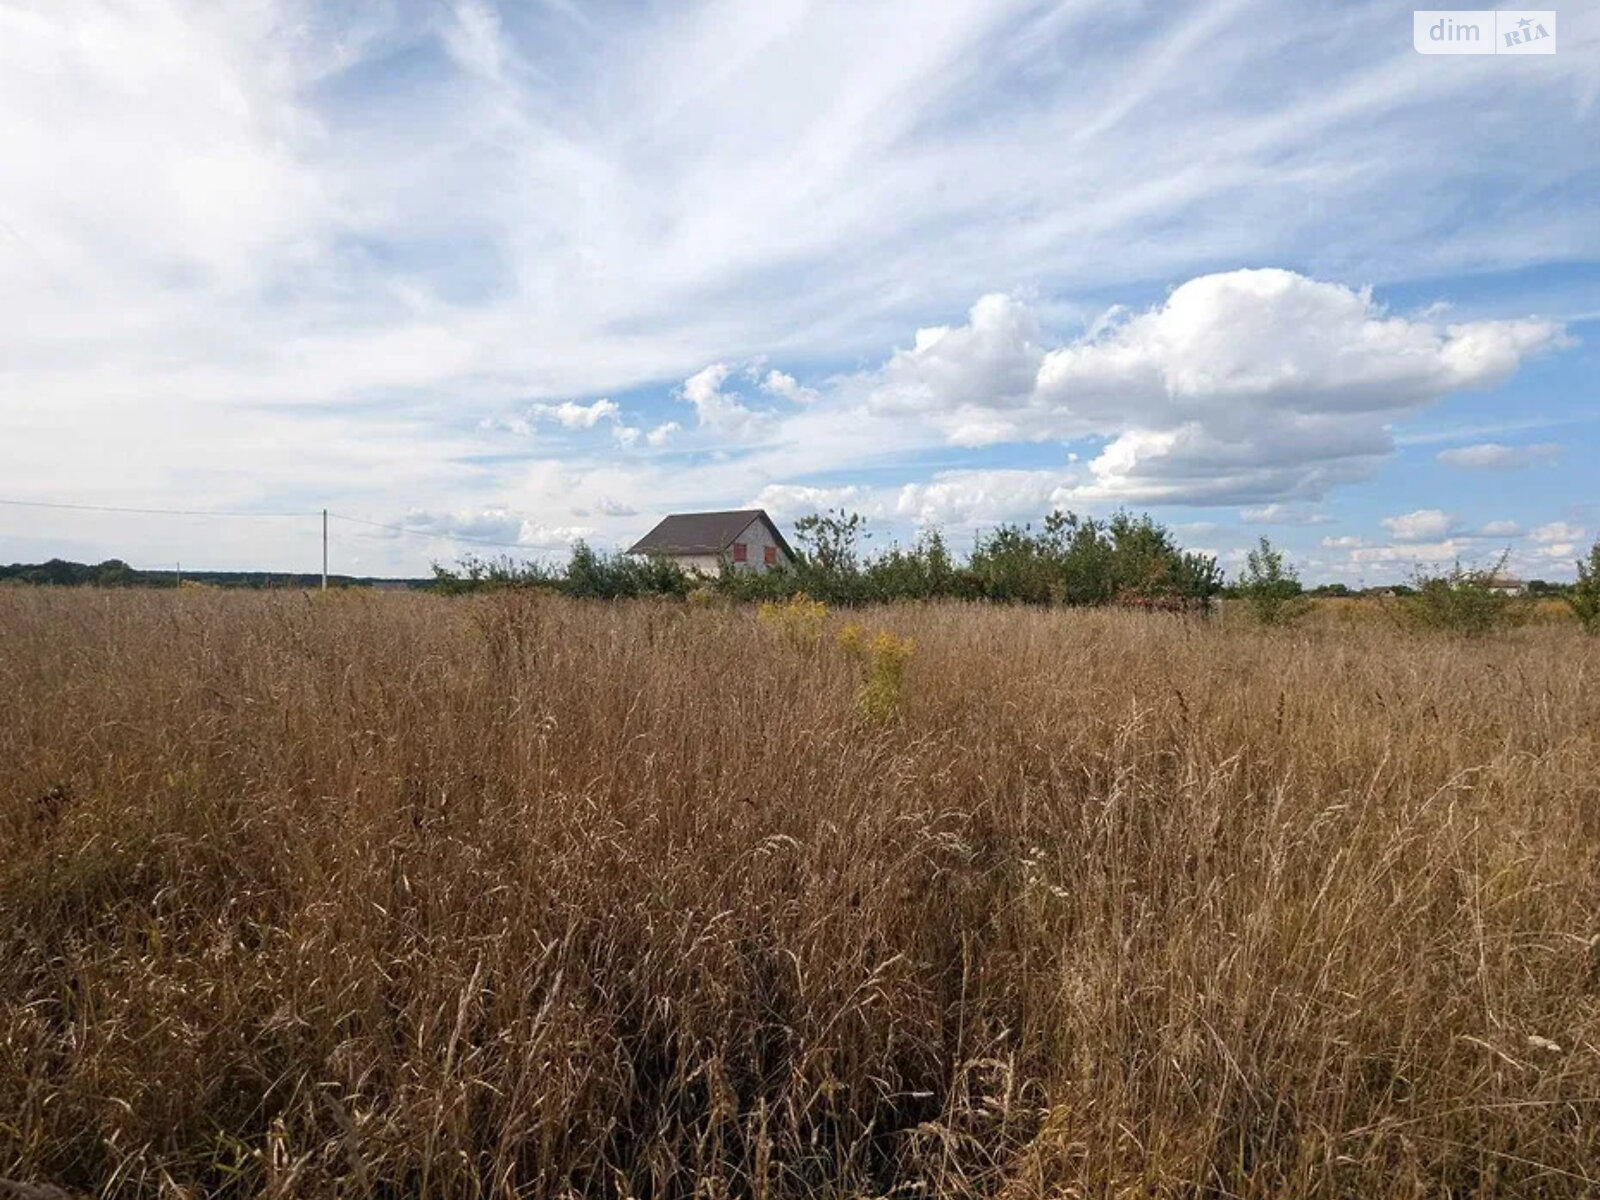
(769, 555)
(741, 552)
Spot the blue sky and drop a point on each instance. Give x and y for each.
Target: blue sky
(527, 273)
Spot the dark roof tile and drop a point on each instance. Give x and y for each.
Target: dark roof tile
(704, 533)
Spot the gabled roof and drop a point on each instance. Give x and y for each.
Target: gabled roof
(704, 533)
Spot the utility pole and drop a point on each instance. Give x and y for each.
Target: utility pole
(324, 549)
(180, 574)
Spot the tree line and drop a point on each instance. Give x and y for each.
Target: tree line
(1068, 559)
(114, 573)
(1124, 559)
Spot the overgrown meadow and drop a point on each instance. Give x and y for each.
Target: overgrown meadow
(515, 894)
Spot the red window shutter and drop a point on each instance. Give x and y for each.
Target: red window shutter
(769, 555)
(740, 552)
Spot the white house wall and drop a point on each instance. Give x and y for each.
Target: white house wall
(699, 564)
(757, 537)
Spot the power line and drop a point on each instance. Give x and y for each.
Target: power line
(163, 512)
(214, 512)
(430, 533)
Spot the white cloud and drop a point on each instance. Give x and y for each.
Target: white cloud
(777, 383)
(950, 498)
(1549, 551)
(966, 378)
(500, 526)
(1558, 550)
(571, 415)
(787, 501)
(1244, 384)
(520, 426)
(1423, 525)
(1412, 553)
(1495, 456)
(659, 435)
(1557, 532)
(717, 410)
(1282, 514)
(476, 39)
(959, 498)
(350, 225)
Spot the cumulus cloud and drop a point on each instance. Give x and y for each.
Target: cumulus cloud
(1428, 538)
(953, 498)
(1557, 531)
(715, 409)
(778, 383)
(786, 501)
(659, 435)
(1243, 384)
(985, 497)
(571, 415)
(968, 379)
(1494, 456)
(1425, 524)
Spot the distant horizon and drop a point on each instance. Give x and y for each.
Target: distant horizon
(178, 570)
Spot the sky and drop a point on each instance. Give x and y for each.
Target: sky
(505, 276)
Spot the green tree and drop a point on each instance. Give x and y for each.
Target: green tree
(1585, 595)
(828, 539)
(1271, 587)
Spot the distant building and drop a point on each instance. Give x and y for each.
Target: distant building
(1507, 585)
(746, 540)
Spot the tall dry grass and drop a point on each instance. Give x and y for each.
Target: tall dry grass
(383, 896)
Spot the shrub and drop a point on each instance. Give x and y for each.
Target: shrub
(473, 574)
(1461, 600)
(1584, 599)
(587, 574)
(1271, 588)
(1080, 561)
(923, 572)
(885, 689)
(798, 621)
(621, 576)
(885, 655)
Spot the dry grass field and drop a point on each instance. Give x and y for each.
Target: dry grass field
(399, 896)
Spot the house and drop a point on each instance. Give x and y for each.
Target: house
(1507, 585)
(746, 540)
